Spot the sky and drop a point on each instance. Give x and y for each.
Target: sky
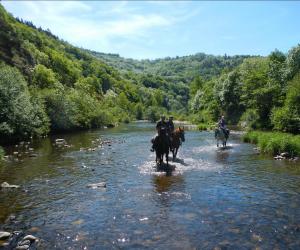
(157, 29)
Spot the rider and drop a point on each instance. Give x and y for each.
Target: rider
(170, 129)
(170, 125)
(161, 126)
(222, 125)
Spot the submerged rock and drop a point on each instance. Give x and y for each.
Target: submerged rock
(30, 238)
(24, 247)
(24, 242)
(60, 141)
(6, 185)
(97, 185)
(4, 235)
(279, 157)
(285, 154)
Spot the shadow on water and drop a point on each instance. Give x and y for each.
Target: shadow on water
(222, 156)
(165, 183)
(168, 169)
(225, 148)
(180, 161)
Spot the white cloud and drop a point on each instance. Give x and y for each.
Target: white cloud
(102, 26)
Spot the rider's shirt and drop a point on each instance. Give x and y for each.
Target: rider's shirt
(161, 125)
(222, 123)
(170, 126)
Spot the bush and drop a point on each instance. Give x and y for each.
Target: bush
(22, 115)
(274, 142)
(249, 119)
(1, 153)
(44, 77)
(101, 118)
(287, 118)
(202, 126)
(139, 112)
(152, 114)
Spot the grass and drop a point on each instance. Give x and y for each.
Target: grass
(274, 142)
(205, 126)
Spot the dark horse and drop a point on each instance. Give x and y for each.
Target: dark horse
(176, 138)
(221, 135)
(161, 145)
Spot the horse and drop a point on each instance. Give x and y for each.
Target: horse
(176, 138)
(161, 145)
(220, 135)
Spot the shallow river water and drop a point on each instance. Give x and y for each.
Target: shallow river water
(215, 199)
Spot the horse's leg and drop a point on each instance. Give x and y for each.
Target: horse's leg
(167, 158)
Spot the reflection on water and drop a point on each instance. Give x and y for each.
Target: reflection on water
(228, 198)
(166, 183)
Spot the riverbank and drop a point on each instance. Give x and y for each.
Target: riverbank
(274, 143)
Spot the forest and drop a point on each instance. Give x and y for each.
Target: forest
(48, 85)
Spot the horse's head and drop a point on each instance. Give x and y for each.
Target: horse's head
(181, 133)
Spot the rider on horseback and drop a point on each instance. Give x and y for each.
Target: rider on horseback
(161, 128)
(170, 125)
(161, 124)
(222, 125)
(170, 128)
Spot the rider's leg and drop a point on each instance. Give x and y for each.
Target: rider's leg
(153, 140)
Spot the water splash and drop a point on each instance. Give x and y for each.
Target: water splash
(182, 164)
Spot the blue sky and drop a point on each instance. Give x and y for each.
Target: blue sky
(153, 29)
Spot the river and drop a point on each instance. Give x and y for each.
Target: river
(222, 199)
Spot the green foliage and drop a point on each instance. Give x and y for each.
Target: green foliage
(1, 153)
(287, 118)
(249, 119)
(67, 70)
(274, 142)
(44, 77)
(196, 85)
(293, 62)
(21, 115)
(228, 90)
(152, 114)
(139, 113)
(89, 85)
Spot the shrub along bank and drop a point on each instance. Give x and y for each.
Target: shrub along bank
(274, 142)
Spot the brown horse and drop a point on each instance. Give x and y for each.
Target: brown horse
(176, 138)
(161, 145)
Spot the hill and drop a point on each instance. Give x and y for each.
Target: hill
(46, 85)
(178, 69)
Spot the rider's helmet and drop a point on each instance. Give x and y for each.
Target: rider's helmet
(163, 117)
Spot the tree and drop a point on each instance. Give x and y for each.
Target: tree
(196, 85)
(44, 77)
(293, 62)
(20, 114)
(287, 118)
(228, 91)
